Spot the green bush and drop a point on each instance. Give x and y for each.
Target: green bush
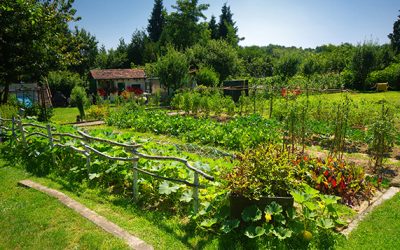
(98, 112)
(207, 77)
(79, 99)
(8, 111)
(390, 74)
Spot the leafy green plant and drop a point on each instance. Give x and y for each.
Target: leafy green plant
(8, 111)
(334, 177)
(263, 171)
(310, 224)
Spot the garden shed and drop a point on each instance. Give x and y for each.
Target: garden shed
(234, 88)
(29, 94)
(108, 82)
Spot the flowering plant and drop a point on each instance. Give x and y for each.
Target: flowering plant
(287, 93)
(135, 90)
(101, 92)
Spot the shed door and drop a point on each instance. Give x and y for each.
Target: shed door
(121, 86)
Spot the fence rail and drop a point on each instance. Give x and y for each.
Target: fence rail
(85, 139)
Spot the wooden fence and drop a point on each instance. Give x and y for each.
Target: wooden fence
(21, 135)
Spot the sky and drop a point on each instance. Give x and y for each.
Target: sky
(300, 23)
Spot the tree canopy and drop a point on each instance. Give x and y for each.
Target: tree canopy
(183, 28)
(35, 39)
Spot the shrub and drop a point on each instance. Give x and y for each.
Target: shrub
(8, 111)
(390, 74)
(98, 112)
(79, 99)
(207, 77)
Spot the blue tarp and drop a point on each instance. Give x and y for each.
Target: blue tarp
(25, 101)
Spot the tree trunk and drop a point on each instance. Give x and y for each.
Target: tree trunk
(4, 96)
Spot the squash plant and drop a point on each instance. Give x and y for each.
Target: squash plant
(310, 223)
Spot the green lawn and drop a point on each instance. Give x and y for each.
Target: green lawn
(32, 220)
(379, 230)
(64, 115)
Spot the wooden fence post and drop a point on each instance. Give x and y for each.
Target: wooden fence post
(13, 127)
(51, 141)
(21, 129)
(135, 187)
(87, 154)
(196, 192)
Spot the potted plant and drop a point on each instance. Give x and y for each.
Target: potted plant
(263, 175)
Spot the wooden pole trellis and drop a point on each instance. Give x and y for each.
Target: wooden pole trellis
(85, 140)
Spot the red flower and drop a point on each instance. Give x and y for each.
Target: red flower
(342, 185)
(101, 92)
(135, 90)
(296, 92)
(284, 92)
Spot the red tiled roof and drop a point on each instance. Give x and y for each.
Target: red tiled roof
(109, 74)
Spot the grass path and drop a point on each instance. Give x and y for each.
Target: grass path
(32, 220)
(379, 230)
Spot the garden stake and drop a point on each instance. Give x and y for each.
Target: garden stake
(196, 192)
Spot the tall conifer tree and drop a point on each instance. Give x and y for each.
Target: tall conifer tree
(395, 36)
(226, 26)
(156, 21)
(212, 25)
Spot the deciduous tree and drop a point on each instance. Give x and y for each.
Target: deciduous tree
(217, 54)
(34, 39)
(172, 69)
(183, 28)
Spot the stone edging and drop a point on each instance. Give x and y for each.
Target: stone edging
(392, 191)
(132, 241)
